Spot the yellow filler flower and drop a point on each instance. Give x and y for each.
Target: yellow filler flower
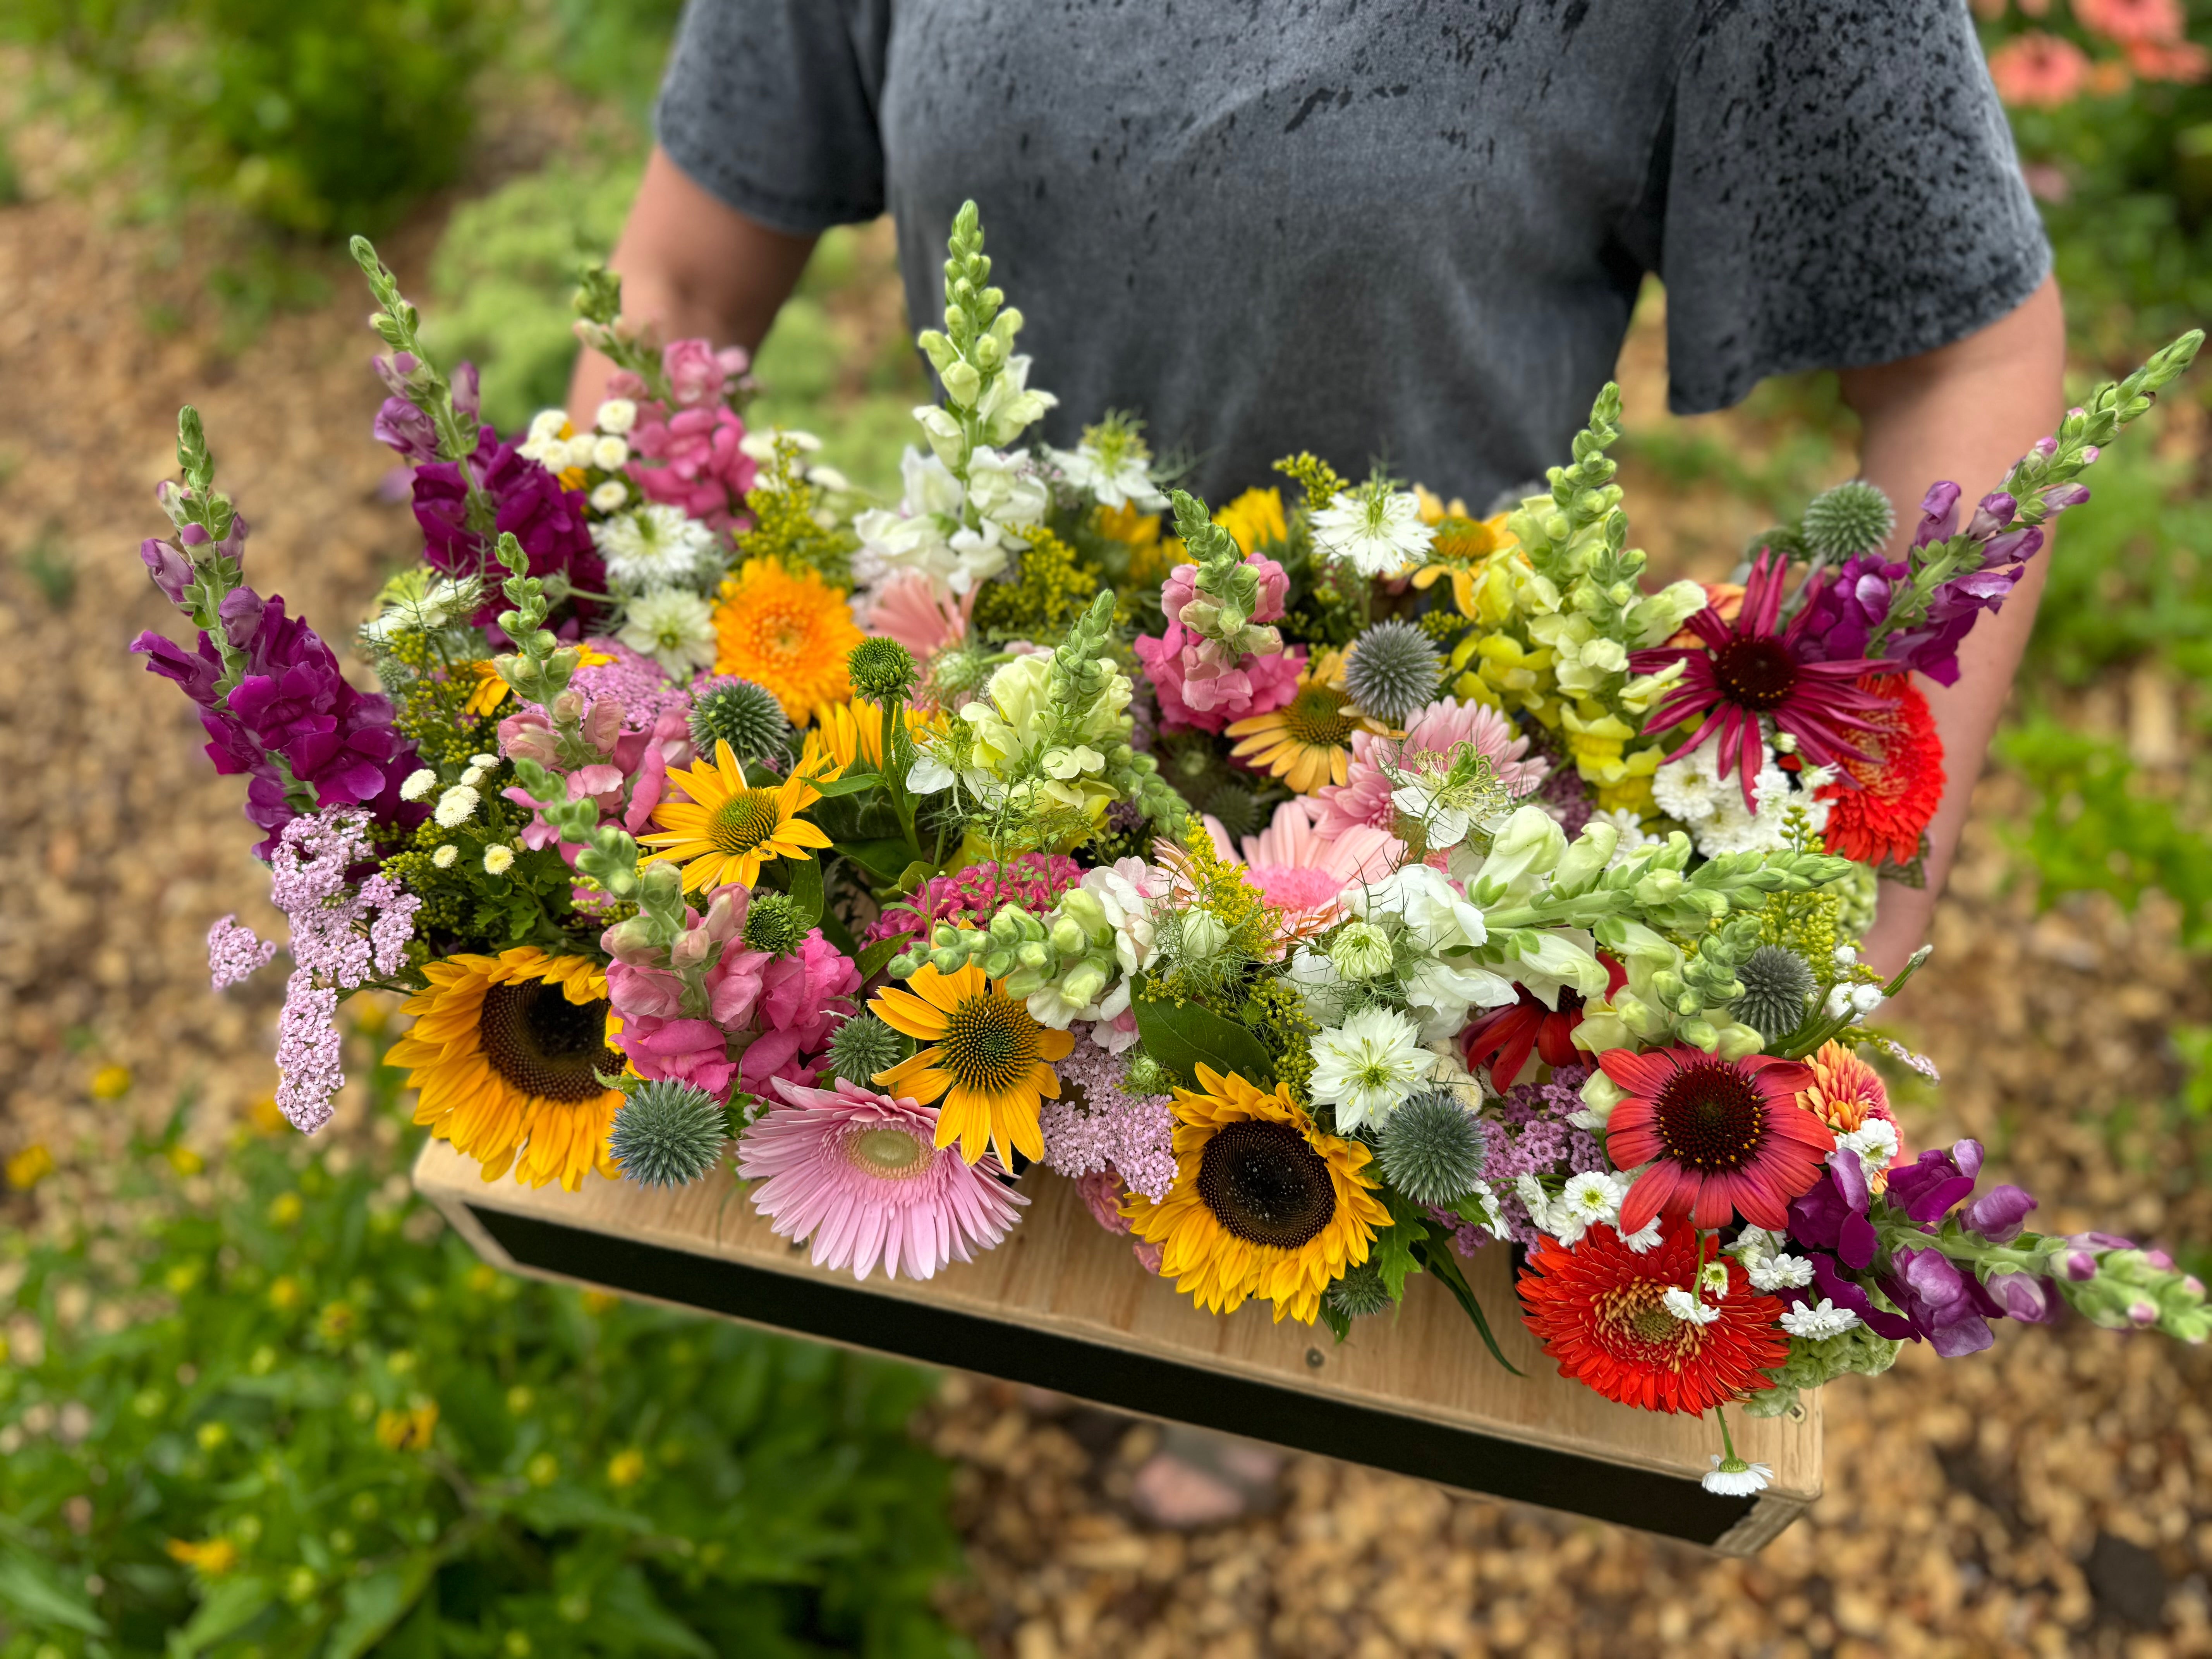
(507, 1052)
(727, 829)
(987, 1062)
(1306, 742)
(1263, 1205)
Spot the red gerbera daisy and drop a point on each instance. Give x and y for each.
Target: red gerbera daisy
(1723, 1137)
(1600, 1310)
(1899, 789)
(1744, 670)
(1506, 1036)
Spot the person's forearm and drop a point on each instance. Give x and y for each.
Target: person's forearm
(692, 267)
(1966, 413)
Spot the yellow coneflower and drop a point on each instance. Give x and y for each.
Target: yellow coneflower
(989, 1062)
(1263, 1205)
(1464, 550)
(1308, 741)
(727, 829)
(846, 731)
(507, 1052)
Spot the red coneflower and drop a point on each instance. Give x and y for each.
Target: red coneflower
(1505, 1038)
(1723, 1137)
(1880, 806)
(1746, 670)
(1600, 1310)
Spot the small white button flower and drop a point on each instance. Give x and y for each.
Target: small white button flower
(1814, 1323)
(499, 859)
(445, 856)
(473, 776)
(1732, 1476)
(617, 415)
(419, 784)
(456, 806)
(547, 423)
(611, 496)
(1686, 1308)
(485, 761)
(828, 478)
(610, 454)
(1367, 1067)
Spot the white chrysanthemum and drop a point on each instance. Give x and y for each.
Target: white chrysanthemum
(654, 546)
(1779, 1272)
(1686, 1308)
(1733, 1478)
(499, 859)
(1691, 791)
(617, 415)
(610, 454)
(611, 496)
(446, 856)
(1367, 1067)
(1645, 1238)
(1376, 530)
(473, 776)
(1816, 1323)
(419, 784)
(456, 806)
(676, 628)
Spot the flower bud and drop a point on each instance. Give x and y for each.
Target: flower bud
(1203, 934)
(1083, 987)
(2079, 1265)
(1997, 1215)
(962, 383)
(1067, 937)
(2022, 1296)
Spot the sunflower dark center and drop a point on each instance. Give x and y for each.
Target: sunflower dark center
(1754, 673)
(744, 821)
(541, 1043)
(1315, 717)
(1266, 1185)
(990, 1043)
(1711, 1118)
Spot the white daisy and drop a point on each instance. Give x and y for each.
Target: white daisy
(1686, 1308)
(1645, 1238)
(1733, 1478)
(1367, 1067)
(1376, 530)
(1593, 1199)
(1814, 1323)
(654, 546)
(676, 628)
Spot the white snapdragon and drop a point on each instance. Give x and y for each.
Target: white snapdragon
(1367, 1067)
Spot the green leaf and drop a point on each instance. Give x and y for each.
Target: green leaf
(877, 957)
(560, 1509)
(232, 1605)
(1435, 1252)
(1338, 1321)
(1183, 1036)
(806, 876)
(27, 1586)
(630, 1602)
(1394, 1245)
(883, 861)
(852, 783)
(372, 1606)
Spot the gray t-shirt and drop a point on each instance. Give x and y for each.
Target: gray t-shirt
(1404, 230)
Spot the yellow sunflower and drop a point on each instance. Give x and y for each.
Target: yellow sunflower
(790, 633)
(1306, 741)
(987, 1061)
(504, 1049)
(1263, 1205)
(1255, 518)
(727, 829)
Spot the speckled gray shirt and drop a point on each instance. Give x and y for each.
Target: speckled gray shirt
(1410, 230)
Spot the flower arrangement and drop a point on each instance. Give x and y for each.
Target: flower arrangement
(1332, 885)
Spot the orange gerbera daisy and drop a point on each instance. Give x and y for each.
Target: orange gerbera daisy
(788, 631)
(987, 1061)
(727, 829)
(1306, 741)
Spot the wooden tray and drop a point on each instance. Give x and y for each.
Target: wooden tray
(1061, 1305)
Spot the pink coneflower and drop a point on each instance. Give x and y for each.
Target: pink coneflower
(1300, 870)
(2153, 20)
(906, 608)
(2037, 70)
(1724, 1138)
(862, 1175)
(2183, 61)
(1746, 672)
(1364, 797)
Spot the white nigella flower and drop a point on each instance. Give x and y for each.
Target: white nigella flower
(499, 859)
(1733, 1478)
(617, 415)
(1367, 1067)
(446, 856)
(1687, 1307)
(1112, 465)
(655, 546)
(1374, 529)
(611, 496)
(1814, 1323)
(676, 628)
(419, 784)
(456, 806)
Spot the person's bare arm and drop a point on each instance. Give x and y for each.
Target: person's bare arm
(1966, 413)
(694, 267)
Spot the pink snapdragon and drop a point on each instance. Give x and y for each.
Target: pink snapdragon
(698, 374)
(1196, 690)
(691, 459)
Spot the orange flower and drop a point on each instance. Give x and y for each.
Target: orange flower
(790, 633)
(1844, 1092)
(2037, 70)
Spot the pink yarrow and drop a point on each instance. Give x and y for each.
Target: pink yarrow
(1106, 1128)
(235, 954)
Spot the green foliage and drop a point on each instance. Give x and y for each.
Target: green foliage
(614, 48)
(289, 1419)
(1184, 1035)
(317, 116)
(2096, 829)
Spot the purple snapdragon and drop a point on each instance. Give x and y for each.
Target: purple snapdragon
(526, 500)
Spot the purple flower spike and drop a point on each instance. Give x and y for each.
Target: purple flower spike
(1823, 1217)
(1849, 1293)
(1926, 1189)
(1968, 1155)
(2142, 1314)
(1997, 1215)
(2022, 1297)
(1995, 510)
(2080, 1265)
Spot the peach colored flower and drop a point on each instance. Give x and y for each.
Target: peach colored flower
(2177, 60)
(2156, 21)
(2037, 70)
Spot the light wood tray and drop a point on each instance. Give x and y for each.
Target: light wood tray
(1061, 1305)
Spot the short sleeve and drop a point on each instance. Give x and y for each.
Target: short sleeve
(769, 105)
(1838, 188)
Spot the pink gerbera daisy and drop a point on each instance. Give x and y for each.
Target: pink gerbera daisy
(862, 1176)
(1723, 1137)
(1302, 872)
(1747, 672)
(906, 608)
(1364, 797)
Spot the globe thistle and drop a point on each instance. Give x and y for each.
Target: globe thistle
(1236, 808)
(773, 924)
(1393, 671)
(1432, 1149)
(745, 716)
(1777, 988)
(668, 1134)
(881, 670)
(860, 1048)
(1360, 1292)
(1851, 519)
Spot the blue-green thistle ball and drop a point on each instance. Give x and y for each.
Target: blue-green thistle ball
(880, 670)
(862, 1047)
(772, 924)
(668, 1134)
(1432, 1149)
(745, 716)
(1360, 1293)
(1851, 519)
(1393, 670)
(1777, 985)
(1237, 809)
